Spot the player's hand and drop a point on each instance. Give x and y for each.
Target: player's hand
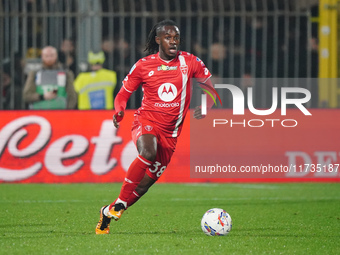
(117, 117)
(198, 113)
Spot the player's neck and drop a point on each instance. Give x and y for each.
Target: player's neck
(165, 60)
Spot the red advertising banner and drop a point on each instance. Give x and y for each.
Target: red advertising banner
(83, 146)
(72, 146)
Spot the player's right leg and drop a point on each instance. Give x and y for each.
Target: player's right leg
(103, 226)
(140, 190)
(147, 147)
(134, 175)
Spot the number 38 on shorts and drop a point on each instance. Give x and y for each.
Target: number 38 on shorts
(157, 169)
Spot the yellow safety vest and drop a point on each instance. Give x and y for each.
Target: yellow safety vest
(95, 89)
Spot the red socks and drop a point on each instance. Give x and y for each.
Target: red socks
(133, 177)
(134, 197)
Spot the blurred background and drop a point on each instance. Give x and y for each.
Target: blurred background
(235, 38)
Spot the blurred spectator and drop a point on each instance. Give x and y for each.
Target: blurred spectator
(66, 55)
(95, 88)
(31, 60)
(5, 85)
(255, 30)
(108, 47)
(219, 59)
(51, 87)
(314, 48)
(7, 82)
(122, 58)
(199, 50)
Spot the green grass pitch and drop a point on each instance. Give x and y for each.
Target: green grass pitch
(293, 218)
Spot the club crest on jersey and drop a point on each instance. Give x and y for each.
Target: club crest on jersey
(167, 92)
(184, 69)
(148, 128)
(166, 68)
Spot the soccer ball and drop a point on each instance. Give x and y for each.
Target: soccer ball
(216, 222)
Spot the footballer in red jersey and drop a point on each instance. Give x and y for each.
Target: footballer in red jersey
(166, 88)
(165, 77)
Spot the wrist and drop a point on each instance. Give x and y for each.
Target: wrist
(119, 116)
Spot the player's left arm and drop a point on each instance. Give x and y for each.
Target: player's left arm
(203, 75)
(207, 86)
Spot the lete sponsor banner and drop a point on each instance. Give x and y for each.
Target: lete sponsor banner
(83, 146)
(72, 146)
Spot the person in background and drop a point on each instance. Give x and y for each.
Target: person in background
(8, 81)
(108, 47)
(66, 55)
(51, 87)
(95, 88)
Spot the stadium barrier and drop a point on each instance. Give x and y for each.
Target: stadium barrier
(235, 38)
(83, 146)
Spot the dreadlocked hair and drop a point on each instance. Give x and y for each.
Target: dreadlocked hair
(151, 45)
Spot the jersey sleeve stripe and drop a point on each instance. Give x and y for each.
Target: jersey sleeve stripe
(207, 79)
(127, 90)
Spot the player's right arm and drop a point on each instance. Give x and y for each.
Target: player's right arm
(120, 105)
(131, 82)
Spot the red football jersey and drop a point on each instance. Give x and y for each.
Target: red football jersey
(167, 88)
